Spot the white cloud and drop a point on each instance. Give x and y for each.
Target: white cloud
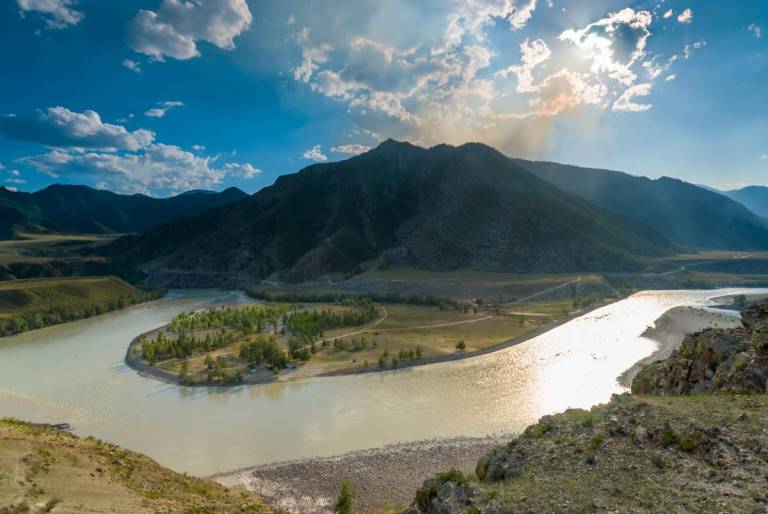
(686, 16)
(132, 65)
(291, 20)
(58, 14)
(198, 148)
(764, 157)
(315, 154)
(11, 189)
(60, 127)
(668, 14)
(15, 180)
(670, 78)
(690, 47)
(244, 170)
(397, 69)
(625, 101)
(756, 30)
(175, 29)
(354, 149)
(14, 173)
(159, 112)
(159, 168)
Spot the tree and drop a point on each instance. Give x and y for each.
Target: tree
(184, 373)
(461, 346)
(345, 501)
(740, 301)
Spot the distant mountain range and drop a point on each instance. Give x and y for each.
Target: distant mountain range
(755, 198)
(685, 213)
(81, 209)
(442, 208)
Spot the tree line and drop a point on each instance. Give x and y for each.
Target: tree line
(56, 315)
(393, 298)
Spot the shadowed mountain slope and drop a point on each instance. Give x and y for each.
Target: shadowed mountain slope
(686, 214)
(439, 209)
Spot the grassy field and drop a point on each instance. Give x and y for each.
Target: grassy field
(41, 248)
(48, 470)
(35, 303)
(40, 295)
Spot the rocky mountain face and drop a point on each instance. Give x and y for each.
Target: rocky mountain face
(439, 209)
(81, 209)
(684, 213)
(714, 360)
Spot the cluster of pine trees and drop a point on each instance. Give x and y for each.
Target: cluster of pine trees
(245, 319)
(308, 326)
(264, 351)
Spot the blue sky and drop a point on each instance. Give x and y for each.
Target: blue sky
(159, 96)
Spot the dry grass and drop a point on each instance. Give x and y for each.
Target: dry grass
(43, 468)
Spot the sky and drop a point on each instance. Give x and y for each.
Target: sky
(163, 96)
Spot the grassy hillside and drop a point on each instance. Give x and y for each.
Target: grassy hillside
(635, 454)
(48, 470)
(35, 303)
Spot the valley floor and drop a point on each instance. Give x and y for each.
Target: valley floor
(386, 478)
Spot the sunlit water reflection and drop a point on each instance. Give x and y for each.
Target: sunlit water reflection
(75, 373)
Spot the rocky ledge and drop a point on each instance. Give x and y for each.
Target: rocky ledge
(714, 360)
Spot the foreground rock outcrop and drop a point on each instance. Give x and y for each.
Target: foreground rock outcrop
(725, 360)
(707, 453)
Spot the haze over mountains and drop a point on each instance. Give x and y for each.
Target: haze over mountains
(686, 214)
(81, 209)
(755, 198)
(439, 209)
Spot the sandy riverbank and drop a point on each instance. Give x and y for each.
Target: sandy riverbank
(381, 477)
(670, 329)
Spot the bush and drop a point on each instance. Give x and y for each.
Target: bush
(345, 501)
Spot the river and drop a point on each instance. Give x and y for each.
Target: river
(75, 373)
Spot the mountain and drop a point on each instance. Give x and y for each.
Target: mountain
(686, 214)
(439, 209)
(81, 209)
(754, 198)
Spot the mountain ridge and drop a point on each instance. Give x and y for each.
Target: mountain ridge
(82, 209)
(440, 208)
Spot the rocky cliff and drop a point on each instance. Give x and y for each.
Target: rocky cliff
(714, 360)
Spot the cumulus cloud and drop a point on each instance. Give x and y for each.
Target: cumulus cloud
(315, 154)
(670, 78)
(58, 14)
(458, 80)
(686, 16)
(176, 28)
(668, 14)
(756, 30)
(132, 65)
(60, 127)
(158, 168)
(244, 170)
(162, 110)
(354, 149)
